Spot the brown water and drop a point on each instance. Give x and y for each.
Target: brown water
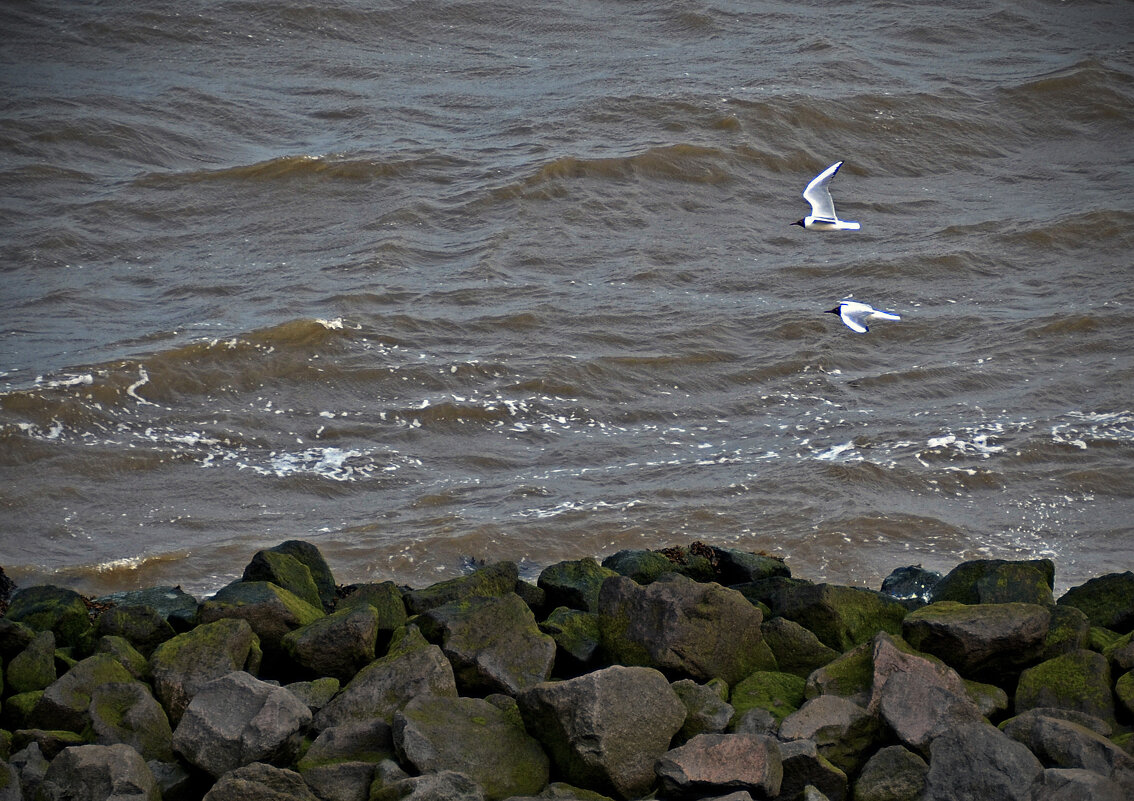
(420, 282)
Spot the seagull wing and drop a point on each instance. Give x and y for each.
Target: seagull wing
(819, 196)
(853, 320)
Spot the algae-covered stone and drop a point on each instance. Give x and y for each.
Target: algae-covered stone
(994, 581)
(1079, 680)
(386, 599)
(18, 710)
(270, 610)
(796, 649)
(447, 785)
(576, 634)
(1124, 692)
(989, 699)
(173, 604)
(50, 741)
(809, 775)
(99, 773)
(1108, 601)
(126, 654)
(893, 774)
(54, 609)
(339, 765)
(316, 693)
(843, 732)
(129, 714)
(184, 664)
(841, 617)
(260, 782)
(34, 667)
(66, 702)
(473, 737)
(338, 645)
(642, 566)
(1120, 653)
(313, 560)
(778, 693)
(848, 676)
(285, 571)
(707, 712)
(574, 584)
(738, 567)
(493, 580)
(1063, 743)
(1067, 631)
(142, 626)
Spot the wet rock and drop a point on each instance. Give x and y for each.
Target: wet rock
(1060, 743)
(1124, 692)
(977, 761)
(311, 558)
(892, 774)
(796, 649)
(778, 693)
(284, 571)
(173, 604)
(444, 786)
(1108, 601)
(33, 668)
(843, 732)
(912, 585)
(841, 617)
(1068, 631)
(128, 714)
(605, 730)
(804, 766)
(386, 599)
(260, 782)
(1120, 653)
(126, 655)
(339, 765)
(142, 626)
(1079, 680)
(574, 584)
(577, 637)
(55, 609)
(996, 581)
(740, 567)
(641, 566)
(338, 645)
(412, 668)
(270, 610)
(984, 641)
(99, 773)
(236, 720)
(701, 631)
(473, 737)
(184, 664)
(493, 580)
(715, 764)
(493, 643)
(65, 704)
(706, 711)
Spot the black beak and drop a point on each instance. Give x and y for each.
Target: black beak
(799, 223)
(832, 311)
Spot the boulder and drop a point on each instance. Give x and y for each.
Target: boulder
(339, 765)
(996, 581)
(607, 728)
(849, 676)
(642, 566)
(447, 785)
(473, 737)
(65, 704)
(338, 645)
(1072, 784)
(99, 773)
(1079, 680)
(1124, 692)
(778, 693)
(912, 585)
(577, 637)
(706, 711)
(50, 741)
(18, 710)
(710, 765)
(9, 783)
(690, 629)
(33, 668)
(270, 610)
(55, 609)
(740, 567)
(142, 626)
(129, 714)
(796, 649)
(310, 557)
(236, 720)
(1119, 653)
(574, 584)
(14, 637)
(496, 579)
(493, 643)
(260, 782)
(31, 765)
(843, 732)
(893, 774)
(805, 767)
(1069, 630)
(317, 693)
(126, 654)
(1060, 743)
(184, 664)
(1108, 601)
(173, 604)
(284, 571)
(983, 641)
(386, 599)
(990, 699)
(977, 762)
(412, 668)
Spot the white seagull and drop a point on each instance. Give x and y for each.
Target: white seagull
(823, 217)
(856, 314)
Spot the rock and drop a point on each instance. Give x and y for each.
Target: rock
(51, 742)
(778, 693)
(804, 766)
(271, 610)
(126, 655)
(236, 720)
(386, 599)
(1108, 601)
(605, 729)
(1097, 725)
(567, 792)
(843, 732)
(338, 645)
(55, 609)
(1119, 653)
(892, 774)
(184, 664)
(493, 643)
(577, 637)
(849, 676)
(260, 782)
(473, 737)
(31, 766)
(1068, 631)
(796, 649)
(754, 721)
(14, 637)
(9, 779)
(1061, 743)
(64, 705)
(701, 631)
(989, 699)
(715, 764)
(18, 709)
(740, 567)
(412, 668)
(339, 765)
(284, 571)
(315, 694)
(129, 714)
(1124, 692)
(996, 581)
(99, 773)
(34, 667)
(1079, 680)
(918, 699)
(142, 626)
(911, 585)
(1061, 784)
(174, 605)
(706, 711)
(574, 584)
(979, 762)
(983, 641)
(444, 786)
(841, 617)
(644, 567)
(493, 580)
(310, 557)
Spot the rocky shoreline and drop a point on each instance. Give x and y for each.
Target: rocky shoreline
(685, 674)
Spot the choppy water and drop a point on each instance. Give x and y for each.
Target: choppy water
(419, 281)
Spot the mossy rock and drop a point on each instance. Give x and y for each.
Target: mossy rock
(491, 581)
(778, 693)
(143, 626)
(843, 617)
(65, 703)
(386, 599)
(850, 676)
(1124, 692)
(990, 699)
(50, 741)
(1068, 631)
(269, 609)
(993, 581)
(173, 604)
(796, 649)
(577, 636)
(740, 567)
(126, 654)
(1079, 681)
(284, 571)
(1100, 639)
(19, 709)
(574, 584)
(1108, 601)
(54, 609)
(311, 558)
(128, 713)
(34, 667)
(338, 645)
(644, 567)
(317, 693)
(1120, 654)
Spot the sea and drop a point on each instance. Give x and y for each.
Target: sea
(434, 283)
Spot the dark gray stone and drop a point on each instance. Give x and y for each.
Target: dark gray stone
(311, 558)
(55, 609)
(128, 714)
(493, 580)
(284, 570)
(1108, 601)
(340, 764)
(995, 581)
(99, 773)
(1060, 743)
(844, 732)
(576, 634)
(796, 649)
(574, 584)
(804, 766)
(444, 786)
(271, 610)
(1070, 784)
(892, 774)
(706, 710)
(142, 626)
(978, 762)
(740, 567)
(176, 607)
(338, 645)
(260, 782)
(65, 704)
(1079, 680)
(33, 668)
(911, 584)
(642, 566)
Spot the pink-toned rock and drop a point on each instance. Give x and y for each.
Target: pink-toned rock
(716, 764)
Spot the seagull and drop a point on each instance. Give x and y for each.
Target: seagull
(822, 217)
(855, 315)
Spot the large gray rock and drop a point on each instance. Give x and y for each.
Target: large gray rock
(65, 703)
(173, 604)
(644, 567)
(55, 609)
(706, 711)
(236, 720)
(607, 728)
(1079, 680)
(338, 645)
(496, 579)
(493, 643)
(142, 626)
(1108, 601)
(892, 774)
(996, 581)
(702, 631)
(796, 649)
(339, 765)
(386, 599)
(10, 783)
(843, 732)
(99, 773)
(738, 567)
(1060, 743)
(270, 610)
(447, 785)
(184, 664)
(260, 782)
(978, 762)
(412, 668)
(473, 737)
(716, 764)
(574, 584)
(283, 570)
(981, 641)
(129, 714)
(806, 768)
(1075, 784)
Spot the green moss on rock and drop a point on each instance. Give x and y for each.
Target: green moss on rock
(1079, 680)
(1108, 601)
(778, 693)
(55, 609)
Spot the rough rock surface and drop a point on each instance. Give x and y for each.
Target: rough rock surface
(495, 579)
(796, 649)
(980, 640)
(574, 584)
(716, 764)
(977, 762)
(339, 765)
(129, 714)
(271, 610)
(260, 782)
(706, 710)
(996, 581)
(1079, 680)
(338, 645)
(99, 773)
(446, 785)
(1108, 601)
(804, 767)
(894, 773)
(843, 732)
(1060, 743)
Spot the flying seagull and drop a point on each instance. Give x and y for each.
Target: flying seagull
(822, 217)
(856, 315)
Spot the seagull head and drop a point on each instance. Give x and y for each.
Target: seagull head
(800, 223)
(835, 310)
